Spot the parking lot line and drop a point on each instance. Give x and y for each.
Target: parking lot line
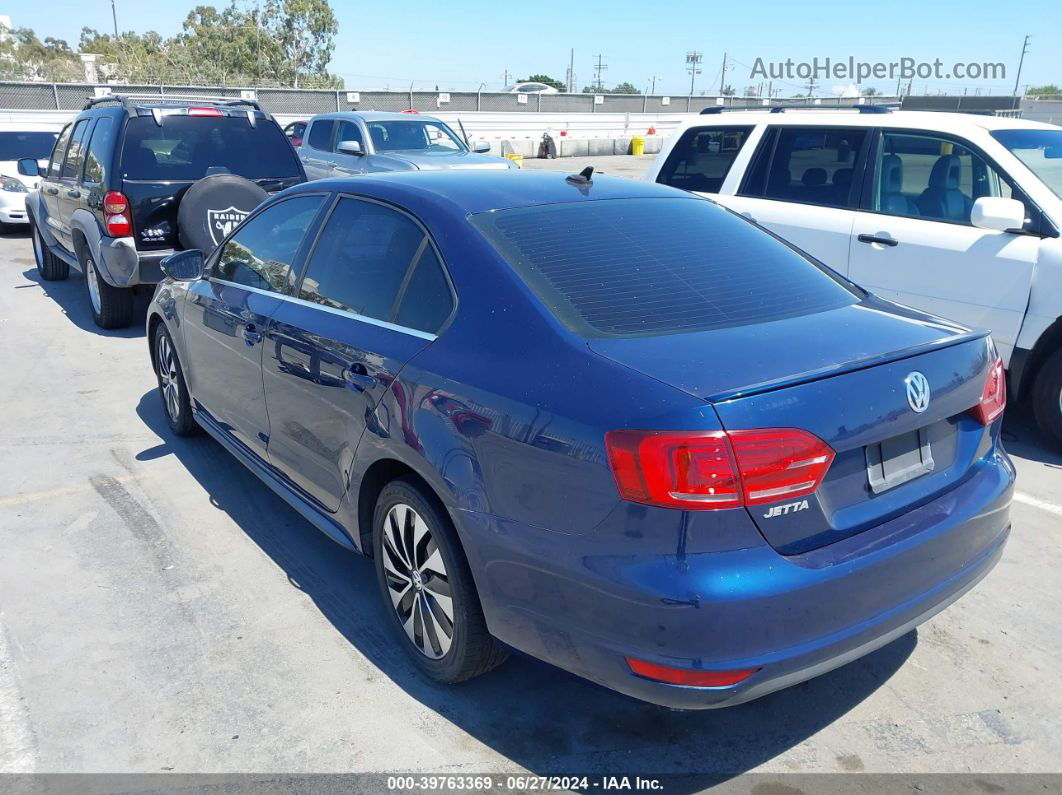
(1043, 505)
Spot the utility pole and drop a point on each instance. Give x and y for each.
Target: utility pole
(652, 80)
(1017, 77)
(114, 16)
(811, 86)
(505, 76)
(693, 66)
(722, 76)
(598, 69)
(571, 72)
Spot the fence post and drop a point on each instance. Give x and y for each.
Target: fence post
(337, 101)
(688, 101)
(411, 97)
(55, 96)
(645, 101)
(479, 99)
(538, 107)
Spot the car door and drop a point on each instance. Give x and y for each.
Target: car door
(68, 196)
(374, 293)
(347, 165)
(913, 241)
(802, 185)
(316, 149)
(226, 315)
(49, 185)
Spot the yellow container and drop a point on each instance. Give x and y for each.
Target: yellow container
(518, 159)
(637, 146)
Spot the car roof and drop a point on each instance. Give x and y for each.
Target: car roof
(465, 192)
(916, 119)
(374, 115)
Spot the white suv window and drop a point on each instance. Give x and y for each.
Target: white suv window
(926, 176)
(702, 158)
(813, 165)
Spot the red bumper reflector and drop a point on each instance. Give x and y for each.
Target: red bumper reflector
(690, 677)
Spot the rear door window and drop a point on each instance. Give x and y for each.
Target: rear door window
(262, 251)
(814, 165)
(320, 137)
(99, 146)
(375, 261)
(702, 158)
(184, 147)
(639, 267)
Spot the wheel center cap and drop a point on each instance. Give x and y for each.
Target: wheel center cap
(418, 583)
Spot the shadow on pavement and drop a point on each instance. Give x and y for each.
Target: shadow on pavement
(72, 297)
(1022, 436)
(540, 717)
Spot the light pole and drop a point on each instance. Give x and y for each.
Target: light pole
(1017, 77)
(114, 16)
(693, 66)
(652, 80)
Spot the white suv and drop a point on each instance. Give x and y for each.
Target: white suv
(954, 214)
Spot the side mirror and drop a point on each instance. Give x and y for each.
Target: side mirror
(184, 266)
(481, 147)
(349, 148)
(995, 212)
(28, 167)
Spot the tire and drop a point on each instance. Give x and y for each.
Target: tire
(173, 391)
(1047, 398)
(112, 307)
(49, 266)
(213, 207)
(416, 604)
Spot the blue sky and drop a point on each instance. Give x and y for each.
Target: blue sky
(460, 44)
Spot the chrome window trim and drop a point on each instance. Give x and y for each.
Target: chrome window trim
(424, 335)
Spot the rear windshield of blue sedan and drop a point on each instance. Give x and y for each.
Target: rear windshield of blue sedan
(637, 267)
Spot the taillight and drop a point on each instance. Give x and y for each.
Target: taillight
(707, 470)
(993, 396)
(689, 677)
(204, 111)
(118, 219)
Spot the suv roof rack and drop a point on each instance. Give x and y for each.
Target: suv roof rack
(713, 109)
(129, 101)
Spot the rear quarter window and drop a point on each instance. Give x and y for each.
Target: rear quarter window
(638, 267)
(702, 158)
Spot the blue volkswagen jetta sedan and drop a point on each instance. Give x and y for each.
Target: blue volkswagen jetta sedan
(603, 422)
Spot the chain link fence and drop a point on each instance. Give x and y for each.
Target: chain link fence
(72, 96)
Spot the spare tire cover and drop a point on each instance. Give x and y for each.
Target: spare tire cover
(213, 207)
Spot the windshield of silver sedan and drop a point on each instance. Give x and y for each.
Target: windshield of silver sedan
(414, 135)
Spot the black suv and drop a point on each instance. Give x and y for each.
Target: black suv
(132, 179)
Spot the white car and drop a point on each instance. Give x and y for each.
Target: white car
(530, 88)
(955, 214)
(21, 143)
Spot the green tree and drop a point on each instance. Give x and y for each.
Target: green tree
(625, 88)
(549, 81)
(728, 91)
(25, 57)
(1047, 90)
(870, 91)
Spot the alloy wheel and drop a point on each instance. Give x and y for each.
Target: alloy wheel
(417, 581)
(166, 365)
(92, 280)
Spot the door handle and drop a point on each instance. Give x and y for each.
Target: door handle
(884, 241)
(73, 194)
(358, 378)
(251, 335)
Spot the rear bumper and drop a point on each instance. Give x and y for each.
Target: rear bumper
(793, 618)
(125, 266)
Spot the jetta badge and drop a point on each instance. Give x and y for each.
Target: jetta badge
(917, 392)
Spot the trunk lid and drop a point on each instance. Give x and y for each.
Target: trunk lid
(840, 375)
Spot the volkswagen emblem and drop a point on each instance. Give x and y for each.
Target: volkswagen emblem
(917, 392)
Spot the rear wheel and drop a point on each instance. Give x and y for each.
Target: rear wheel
(428, 588)
(49, 266)
(172, 389)
(112, 307)
(1047, 397)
